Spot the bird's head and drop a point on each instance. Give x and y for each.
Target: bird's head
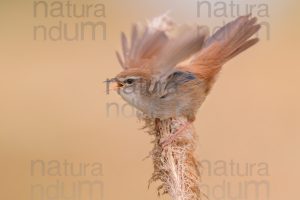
(132, 85)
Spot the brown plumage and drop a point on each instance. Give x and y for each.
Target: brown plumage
(158, 82)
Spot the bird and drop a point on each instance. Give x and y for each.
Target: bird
(169, 69)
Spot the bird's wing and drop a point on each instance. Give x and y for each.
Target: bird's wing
(178, 49)
(226, 43)
(146, 43)
(170, 84)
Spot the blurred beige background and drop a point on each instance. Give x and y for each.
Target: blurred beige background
(53, 107)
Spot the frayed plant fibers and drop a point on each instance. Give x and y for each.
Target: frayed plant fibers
(175, 165)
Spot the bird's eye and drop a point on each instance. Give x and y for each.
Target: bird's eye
(129, 81)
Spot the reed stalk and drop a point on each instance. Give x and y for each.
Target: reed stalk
(175, 165)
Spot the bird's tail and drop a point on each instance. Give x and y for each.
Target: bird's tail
(226, 43)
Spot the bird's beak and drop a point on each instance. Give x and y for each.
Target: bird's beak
(117, 85)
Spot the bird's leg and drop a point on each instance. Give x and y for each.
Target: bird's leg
(172, 137)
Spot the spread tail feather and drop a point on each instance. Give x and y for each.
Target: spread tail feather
(226, 43)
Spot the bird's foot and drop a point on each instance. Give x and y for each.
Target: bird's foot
(172, 137)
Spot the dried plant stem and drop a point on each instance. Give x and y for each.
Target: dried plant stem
(175, 165)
